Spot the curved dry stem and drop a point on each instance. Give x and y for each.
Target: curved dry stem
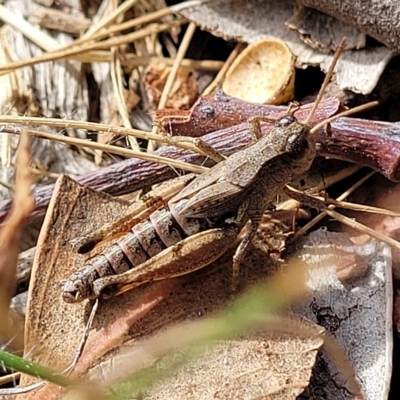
(363, 228)
(328, 77)
(105, 44)
(119, 150)
(346, 113)
(116, 80)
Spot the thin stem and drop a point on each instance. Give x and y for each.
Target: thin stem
(221, 74)
(322, 215)
(172, 75)
(327, 79)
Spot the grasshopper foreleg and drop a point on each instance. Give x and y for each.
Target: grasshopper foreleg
(250, 209)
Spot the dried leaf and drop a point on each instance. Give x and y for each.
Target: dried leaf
(327, 249)
(323, 32)
(378, 19)
(183, 93)
(146, 312)
(385, 195)
(53, 327)
(265, 365)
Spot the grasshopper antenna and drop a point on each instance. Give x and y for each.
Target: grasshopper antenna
(352, 111)
(328, 77)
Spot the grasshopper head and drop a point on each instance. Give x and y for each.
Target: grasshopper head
(298, 143)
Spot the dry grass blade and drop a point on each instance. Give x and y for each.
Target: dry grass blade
(172, 75)
(362, 228)
(116, 41)
(90, 126)
(120, 150)
(10, 238)
(92, 40)
(362, 207)
(351, 111)
(222, 71)
(343, 196)
(179, 57)
(132, 60)
(328, 77)
(350, 222)
(97, 33)
(64, 123)
(108, 19)
(37, 36)
(116, 79)
(93, 34)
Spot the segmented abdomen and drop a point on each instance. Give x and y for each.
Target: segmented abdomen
(164, 228)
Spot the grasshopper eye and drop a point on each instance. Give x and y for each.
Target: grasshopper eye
(286, 121)
(296, 143)
(291, 140)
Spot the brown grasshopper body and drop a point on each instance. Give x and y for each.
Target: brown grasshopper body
(204, 216)
(202, 220)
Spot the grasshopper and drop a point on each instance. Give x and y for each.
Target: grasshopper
(187, 223)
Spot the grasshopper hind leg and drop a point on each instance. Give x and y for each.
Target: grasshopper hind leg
(187, 256)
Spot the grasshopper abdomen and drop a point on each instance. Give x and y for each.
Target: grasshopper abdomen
(164, 228)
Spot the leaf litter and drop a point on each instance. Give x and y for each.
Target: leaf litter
(245, 20)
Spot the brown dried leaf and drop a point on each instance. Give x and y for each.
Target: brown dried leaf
(332, 249)
(263, 365)
(53, 328)
(385, 195)
(183, 93)
(10, 236)
(252, 20)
